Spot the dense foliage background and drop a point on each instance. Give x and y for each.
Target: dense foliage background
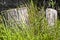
(5, 4)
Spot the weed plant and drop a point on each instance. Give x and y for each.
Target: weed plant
(37, 29)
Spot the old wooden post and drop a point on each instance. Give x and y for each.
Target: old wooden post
(16, 16)
(51, 15)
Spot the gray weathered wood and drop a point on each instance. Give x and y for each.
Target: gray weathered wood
(18, 15)
(51, 15)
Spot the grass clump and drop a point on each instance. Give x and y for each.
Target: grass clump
(37, 29)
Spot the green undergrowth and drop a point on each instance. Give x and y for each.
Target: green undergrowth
(38, 28)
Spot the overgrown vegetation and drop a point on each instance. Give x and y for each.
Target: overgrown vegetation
(37, 29)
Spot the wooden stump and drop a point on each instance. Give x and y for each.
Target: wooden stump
(18, 15)
(51, 15)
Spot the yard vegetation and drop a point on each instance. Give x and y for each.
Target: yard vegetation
(37, 29)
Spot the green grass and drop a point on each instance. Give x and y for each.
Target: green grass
(37, 29)
(35, 32)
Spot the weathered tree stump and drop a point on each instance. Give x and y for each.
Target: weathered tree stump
(16, 16)
(51, 15)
